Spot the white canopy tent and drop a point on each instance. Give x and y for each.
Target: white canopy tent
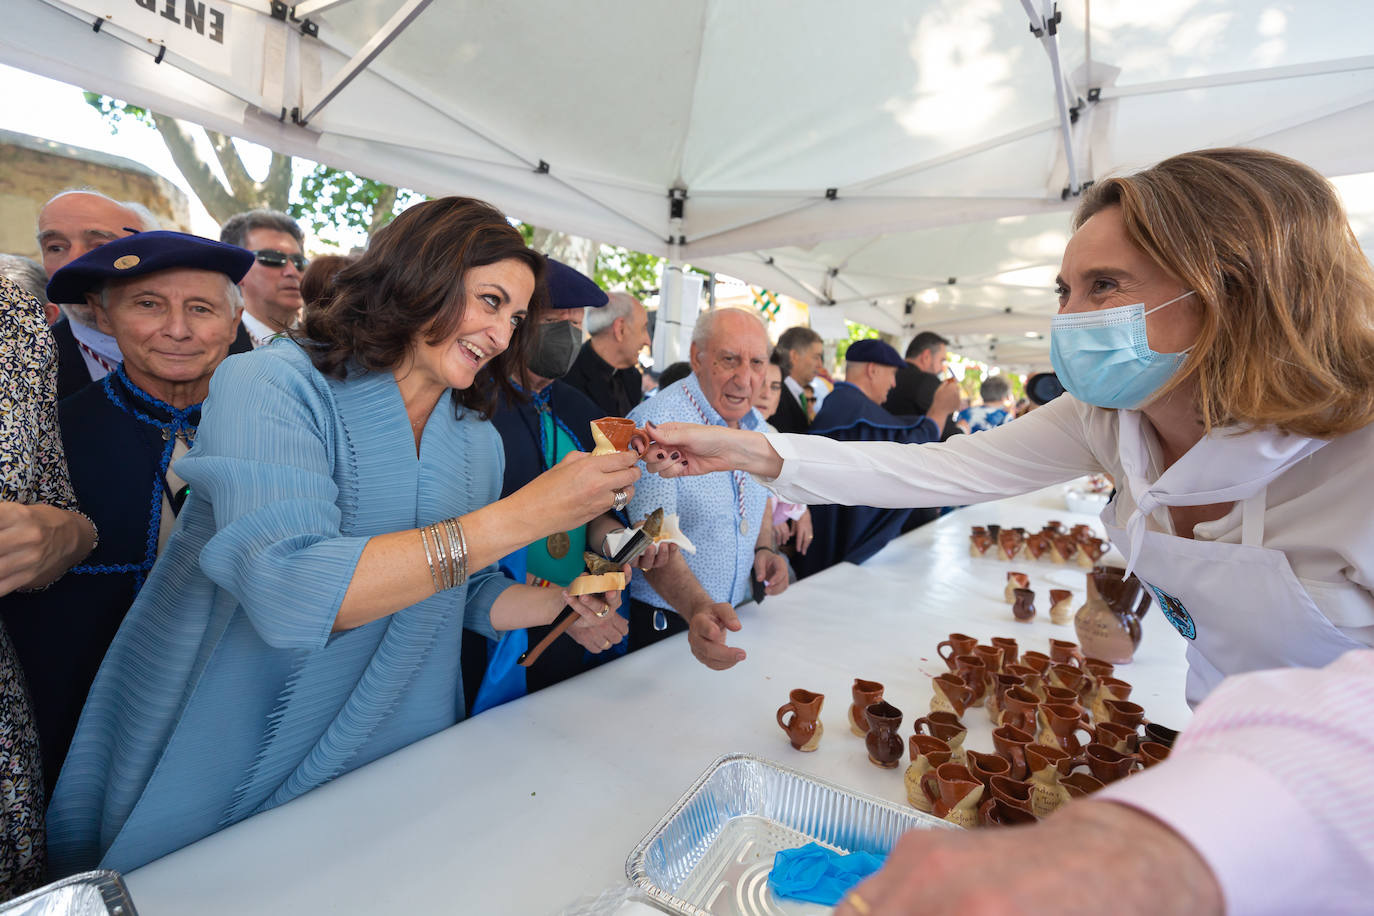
(912, 163)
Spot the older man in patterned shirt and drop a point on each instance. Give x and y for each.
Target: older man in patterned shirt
(722, 514)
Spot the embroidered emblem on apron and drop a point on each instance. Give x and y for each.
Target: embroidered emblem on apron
(1176, 613)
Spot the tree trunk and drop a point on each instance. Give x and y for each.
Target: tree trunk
(202, 179)
(381, 210)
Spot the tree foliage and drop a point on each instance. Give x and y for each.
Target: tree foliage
(857, 332)
(331, 202)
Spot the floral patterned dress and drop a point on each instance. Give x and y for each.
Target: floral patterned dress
(32, 470)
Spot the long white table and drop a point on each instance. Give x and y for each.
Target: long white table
(532, 805)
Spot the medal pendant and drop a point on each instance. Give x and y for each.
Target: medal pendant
(743, 526)
(557, 544)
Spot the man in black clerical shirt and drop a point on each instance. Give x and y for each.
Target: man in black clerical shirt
(606, 367)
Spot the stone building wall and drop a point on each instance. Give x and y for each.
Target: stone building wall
(32, 170)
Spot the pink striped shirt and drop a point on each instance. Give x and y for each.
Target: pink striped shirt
(1273, 784)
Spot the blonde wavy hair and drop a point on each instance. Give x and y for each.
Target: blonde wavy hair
(1288, 297)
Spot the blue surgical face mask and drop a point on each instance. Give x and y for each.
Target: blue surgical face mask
(1104, 357)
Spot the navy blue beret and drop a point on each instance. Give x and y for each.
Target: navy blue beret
(873, 351)
(569, 289)
(145, 253)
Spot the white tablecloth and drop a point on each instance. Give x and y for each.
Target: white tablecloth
(533, 804)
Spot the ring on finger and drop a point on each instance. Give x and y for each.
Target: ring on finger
(620, 499)
(605, 609)
(605, 643)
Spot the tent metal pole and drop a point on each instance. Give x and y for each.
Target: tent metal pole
(1265, 74)
(821, 298)
(1044, 25)
(397, 24)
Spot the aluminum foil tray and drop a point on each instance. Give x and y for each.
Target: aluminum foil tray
(711, 853)
(92, 893)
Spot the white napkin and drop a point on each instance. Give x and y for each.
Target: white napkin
(670, 533)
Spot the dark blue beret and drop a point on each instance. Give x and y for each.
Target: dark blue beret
(873, 351)
(569, 289)
(145, 253)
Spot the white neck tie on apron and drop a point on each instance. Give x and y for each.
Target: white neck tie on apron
(1225, 466)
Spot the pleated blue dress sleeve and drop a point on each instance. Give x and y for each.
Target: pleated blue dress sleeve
(265, 465)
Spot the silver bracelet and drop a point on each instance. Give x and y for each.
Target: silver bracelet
(441, 547)
(458, 548)
(429, 556)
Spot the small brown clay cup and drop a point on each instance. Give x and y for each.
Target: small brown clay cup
(803, 728)
(958, 644)
(865, 694)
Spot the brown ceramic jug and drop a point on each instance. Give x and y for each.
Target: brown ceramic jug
(1019, 708)
(1152, 752)
(865, 694)
(1015, 580)
(1059, 724)
(1014, 792)
(1108, 764)
(1117, 737)
(804, 728)
(1037, 660)
(954, 794)
(1064, 548)
(949, 693)
(979, 543)
(958, 644)
(1090, 550)
(1108, 623)
(1065, 652)
(1032, 679)
(1080, 784)
(975, 674)
(1023, 607)
(1061, 606)
(1008, 647)
(985, 766)
(927, 753)
(620, 432)
(947, 727)
(1011, 743)
(1124, 712)
(995, 812)
(1070, 678)
(1009, 542)
(883, 743)
(1047, 765)
(992, 658)
(1108, 688)
(1037, 545)
(1001, 683)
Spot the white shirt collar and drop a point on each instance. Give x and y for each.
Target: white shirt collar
(795, 387)
(259, 331)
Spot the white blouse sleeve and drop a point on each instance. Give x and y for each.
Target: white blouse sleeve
(1052, 444)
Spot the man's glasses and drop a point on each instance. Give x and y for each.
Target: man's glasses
(268, 257)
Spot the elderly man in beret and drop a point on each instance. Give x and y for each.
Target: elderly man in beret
(536, 435)
(854, 411)
(171, 302)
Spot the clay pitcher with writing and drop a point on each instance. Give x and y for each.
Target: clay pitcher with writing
(954, 794)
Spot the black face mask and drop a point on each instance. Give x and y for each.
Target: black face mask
(555, 348)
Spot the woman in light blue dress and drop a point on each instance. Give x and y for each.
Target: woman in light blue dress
(307, 614)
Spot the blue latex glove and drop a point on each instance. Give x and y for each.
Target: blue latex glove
(819, 875)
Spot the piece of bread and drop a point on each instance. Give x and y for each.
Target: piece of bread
(589, 584)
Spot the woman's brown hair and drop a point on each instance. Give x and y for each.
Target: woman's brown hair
(1287, 295)
(409, 280)
(317, 283)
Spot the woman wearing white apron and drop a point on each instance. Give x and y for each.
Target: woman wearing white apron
(1216, 339)
(1215, 336)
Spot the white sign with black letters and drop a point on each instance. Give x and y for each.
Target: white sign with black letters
(198, 30)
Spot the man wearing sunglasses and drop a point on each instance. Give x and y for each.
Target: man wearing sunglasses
(272, 288)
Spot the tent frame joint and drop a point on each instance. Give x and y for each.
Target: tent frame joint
(280, 10)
